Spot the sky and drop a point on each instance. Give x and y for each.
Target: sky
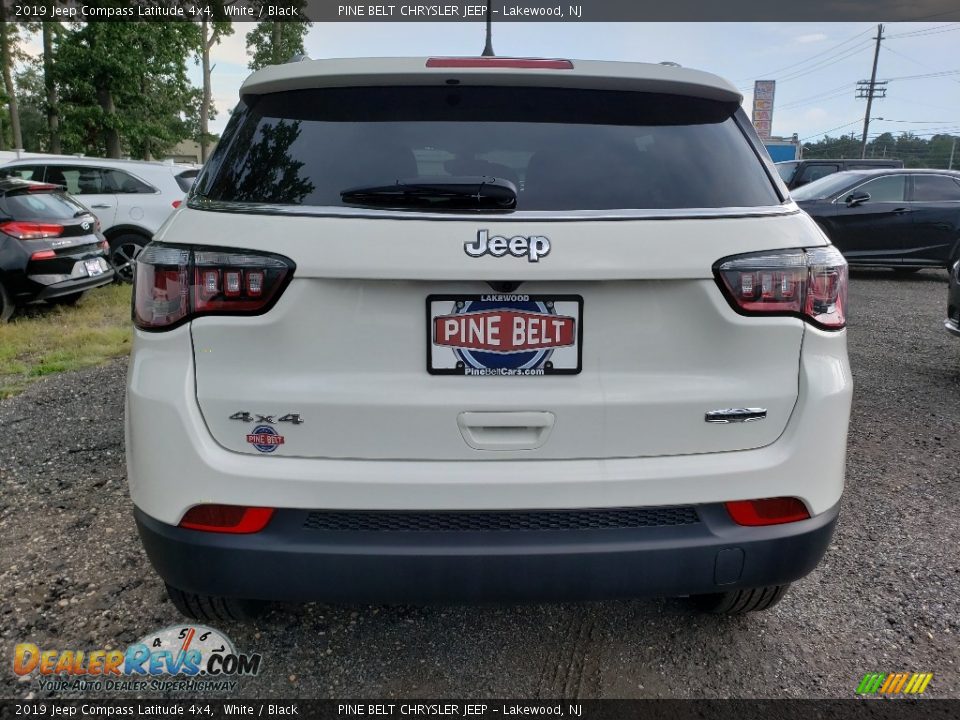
(816, 65)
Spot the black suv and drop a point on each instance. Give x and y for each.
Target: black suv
(797, 173)
(51, 247)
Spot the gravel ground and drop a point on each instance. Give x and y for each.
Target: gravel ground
(886, 597)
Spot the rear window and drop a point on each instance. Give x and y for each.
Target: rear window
(786, 170)
(186, 178)
(40, 206)
(563, 149)
(826, 187)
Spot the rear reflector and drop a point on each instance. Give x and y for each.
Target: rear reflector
(499, 62)
(174, 284)
(768, 511)
(235, 519)
(810, 284)
(176, 204)
(43, 255)
(31, 230)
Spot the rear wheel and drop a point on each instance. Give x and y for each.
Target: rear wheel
(124, 249)
(738, 602)
(6, 305)
(212, 608)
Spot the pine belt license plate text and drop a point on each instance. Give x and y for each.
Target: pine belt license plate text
(93, 267)
(504, 335)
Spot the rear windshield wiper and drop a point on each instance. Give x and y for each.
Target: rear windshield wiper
(448, 193)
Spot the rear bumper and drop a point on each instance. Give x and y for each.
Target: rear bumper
(289, 561)
(67, 287)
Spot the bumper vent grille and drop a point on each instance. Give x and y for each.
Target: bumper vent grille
(600, 519)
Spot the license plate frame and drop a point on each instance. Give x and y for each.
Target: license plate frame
(558, 359)
(93, 267)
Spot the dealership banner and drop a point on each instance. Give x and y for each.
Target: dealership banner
(763, 92)
(476, 10)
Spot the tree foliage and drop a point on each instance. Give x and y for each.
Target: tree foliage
(125, 85)
(272, 42)
(915, 151)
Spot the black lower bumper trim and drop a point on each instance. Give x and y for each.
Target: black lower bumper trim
(290, 562)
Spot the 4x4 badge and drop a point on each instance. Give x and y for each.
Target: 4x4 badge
(533, 247)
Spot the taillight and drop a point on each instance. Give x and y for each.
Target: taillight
(767, 511)
(176, 204)
(810, 284)
(235, 519)
(174, 284)
(31, 230)
(499, 62)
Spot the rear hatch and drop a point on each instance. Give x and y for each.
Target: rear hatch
(58, 233)
(582, 323)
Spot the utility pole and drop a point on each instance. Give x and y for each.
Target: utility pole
(871, 91)
(953, 149)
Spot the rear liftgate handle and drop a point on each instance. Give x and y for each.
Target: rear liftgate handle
(505, 430)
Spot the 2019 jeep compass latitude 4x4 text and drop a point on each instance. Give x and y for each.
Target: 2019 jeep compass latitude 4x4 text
(485, 328)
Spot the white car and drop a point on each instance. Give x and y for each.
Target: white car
(130, 198)
(486, 328)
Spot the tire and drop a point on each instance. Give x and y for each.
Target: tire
(211, 608)
(738, 602)
(7, 307)
(71, 299)
(124, 249)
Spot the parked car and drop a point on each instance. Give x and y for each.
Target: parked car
(904, 219)
(797, 173)
(50, 247)
(486, 328)
(952, 323)
(130, 198)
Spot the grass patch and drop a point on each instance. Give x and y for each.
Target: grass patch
(45, 339)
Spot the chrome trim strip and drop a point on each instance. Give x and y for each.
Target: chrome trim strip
(735, 415)
(786, 208)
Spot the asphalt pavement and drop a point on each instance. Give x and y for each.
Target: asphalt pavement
(886, 597)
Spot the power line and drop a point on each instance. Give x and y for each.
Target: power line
(824, 132)
(923, 32)
(814, 56)
(826, 62)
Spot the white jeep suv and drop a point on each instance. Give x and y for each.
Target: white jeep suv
(486, 328)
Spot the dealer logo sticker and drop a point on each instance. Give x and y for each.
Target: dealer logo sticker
(265, 439)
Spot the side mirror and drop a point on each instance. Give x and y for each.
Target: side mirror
(857, 198)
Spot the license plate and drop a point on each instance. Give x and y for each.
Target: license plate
(504, 335)
(93, 267)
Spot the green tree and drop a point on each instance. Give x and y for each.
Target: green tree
(272, 42)
(32, 105)
(213, 27)
(125, 84)
(9, 54)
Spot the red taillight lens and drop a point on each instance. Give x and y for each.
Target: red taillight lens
(227, 518)
(174, 284)
(31, 230)
(176, 204)
(499, 62)
(811, 284)
(43, 255)
(768, 511)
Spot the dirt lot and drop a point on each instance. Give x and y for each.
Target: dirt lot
(887, 596)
